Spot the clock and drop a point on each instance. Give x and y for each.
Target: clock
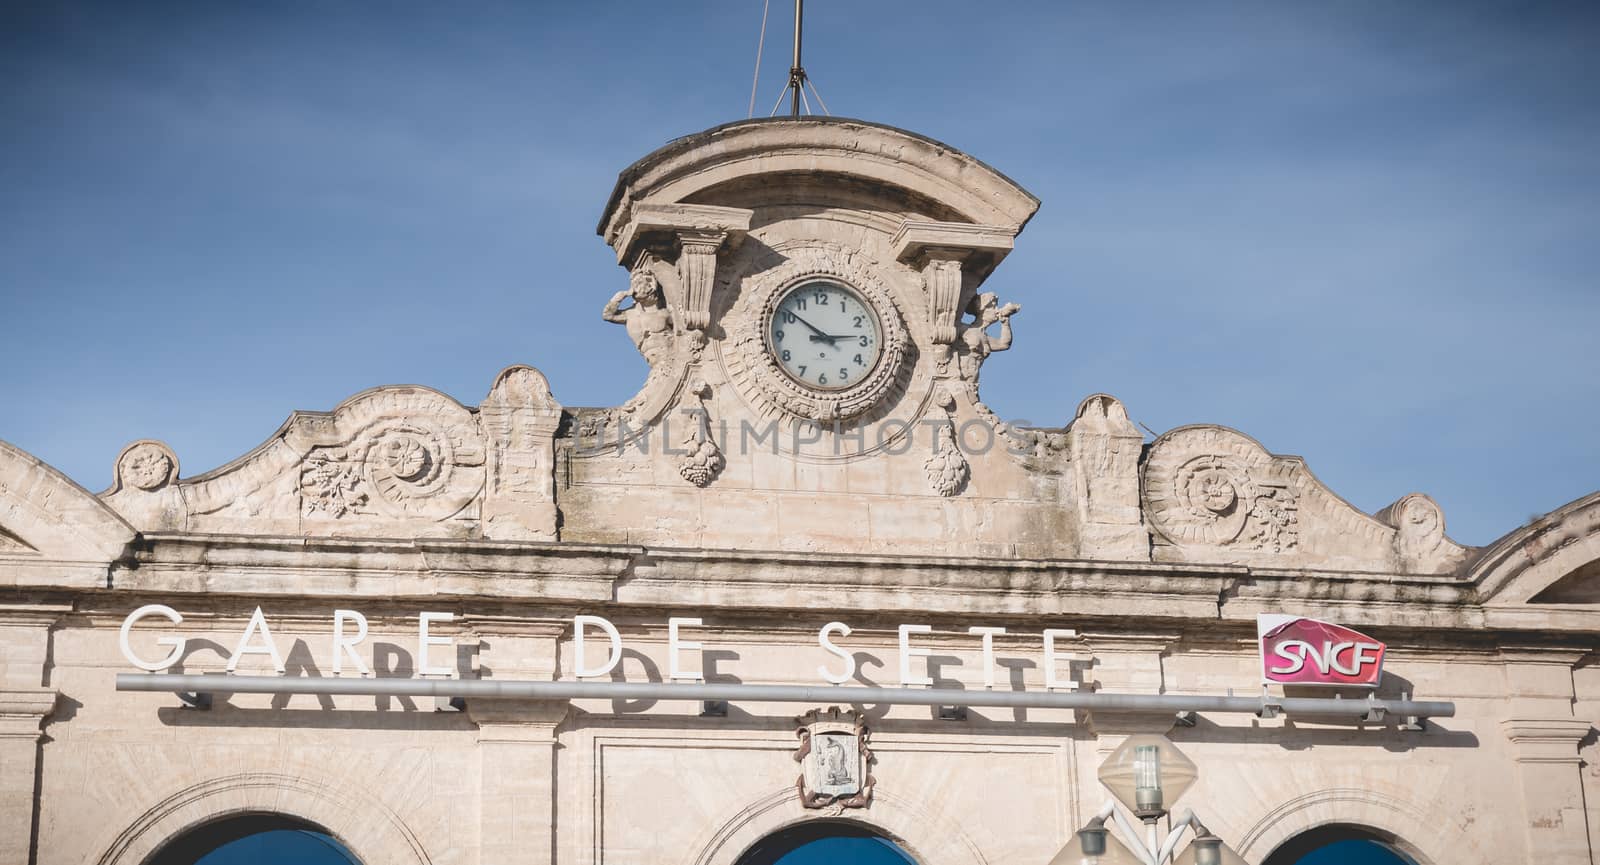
(817, 335)
(825, 335)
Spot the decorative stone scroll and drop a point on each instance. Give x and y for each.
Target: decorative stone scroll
(1212, 487)
(406, 453)
(835, 760)
(520, 417)
(1420, 544)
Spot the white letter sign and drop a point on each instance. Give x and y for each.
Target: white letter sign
(906, 654)
(343, 645)
(827, 644)
(1051, 682)
(244, 648)
(615, 655)
(674, 644)
(988, 652)
(177, 643)
(424, 641)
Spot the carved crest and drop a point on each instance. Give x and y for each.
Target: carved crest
(835, 762)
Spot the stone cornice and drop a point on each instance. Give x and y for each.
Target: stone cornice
(1546, 740)
(572, 574)
(23, 710)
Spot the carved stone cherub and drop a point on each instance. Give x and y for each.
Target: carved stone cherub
(648, 321)
(973, 343)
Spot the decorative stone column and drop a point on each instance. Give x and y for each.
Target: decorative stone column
(24, 705)
(1544, 748)
(517, 750)
(517, 742)
(22, 714)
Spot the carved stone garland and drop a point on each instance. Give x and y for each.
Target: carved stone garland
(704, 460)
(947, 468)
(756, 374)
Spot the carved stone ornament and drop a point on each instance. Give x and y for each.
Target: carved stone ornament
(946, 468)
(704, 460)
(755, 372)
(414, 454)
(519, 418)
(146, 465)
(1206, 486)
(648, 320)
(835, 761)
(973, 343)
(1420, 544)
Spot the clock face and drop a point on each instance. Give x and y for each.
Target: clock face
(825, 336)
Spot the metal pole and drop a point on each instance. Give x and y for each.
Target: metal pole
(822, 694)
(797, 73)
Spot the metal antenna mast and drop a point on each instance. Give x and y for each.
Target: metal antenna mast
(797, 73)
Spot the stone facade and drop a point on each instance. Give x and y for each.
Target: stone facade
(728, 490)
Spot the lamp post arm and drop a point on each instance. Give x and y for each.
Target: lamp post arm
(1130, 835)
(1187, 821)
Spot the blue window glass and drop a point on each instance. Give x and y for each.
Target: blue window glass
(277, 846)
(1352, 852)
(845, 851)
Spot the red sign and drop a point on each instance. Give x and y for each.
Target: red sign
(1296, 651)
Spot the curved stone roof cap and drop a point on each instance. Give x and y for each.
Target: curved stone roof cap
(835, 145)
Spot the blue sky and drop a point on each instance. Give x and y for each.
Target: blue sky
(1362, 232)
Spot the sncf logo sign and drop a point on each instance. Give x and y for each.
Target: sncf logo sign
(1296, 651)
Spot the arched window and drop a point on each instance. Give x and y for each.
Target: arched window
(254, 839)
(1340, 844)
(826, 842)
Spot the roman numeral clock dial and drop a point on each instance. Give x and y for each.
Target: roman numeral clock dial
(825, 336)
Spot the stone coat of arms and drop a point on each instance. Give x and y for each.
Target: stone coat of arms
(834, 760)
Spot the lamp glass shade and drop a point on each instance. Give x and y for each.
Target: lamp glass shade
(1083, 849)
(1218, 854)
(1148, 773)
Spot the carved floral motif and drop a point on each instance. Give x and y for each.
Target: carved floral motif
(330, 487)
(146, 465)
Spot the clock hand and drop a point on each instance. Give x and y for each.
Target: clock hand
(820, 336)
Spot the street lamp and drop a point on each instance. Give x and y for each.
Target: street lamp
(1146, 774)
